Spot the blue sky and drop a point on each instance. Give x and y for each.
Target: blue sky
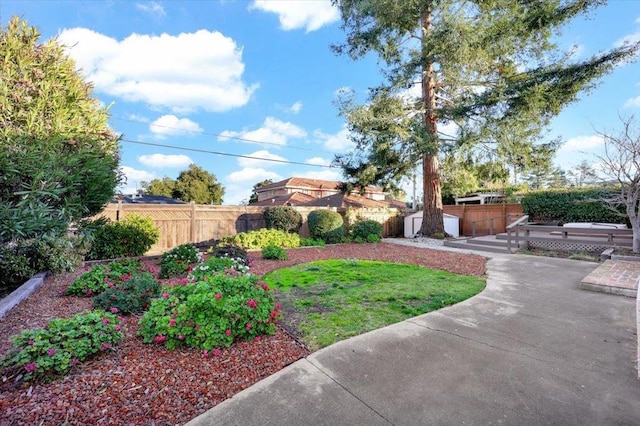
(222, 76)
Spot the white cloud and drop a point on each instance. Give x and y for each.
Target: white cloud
(252, 175)
(153, 8)
(185, 72)
(296, 14)
(295, 108)
(170, 125)
(135, 176)
(582, 143)
(336, 142)
(272, 131)
(628, 39)
(137, 117)
(160, 161)
(318, 161)
(254, 162)
(633, 102)
(322, 174)
(236, 195)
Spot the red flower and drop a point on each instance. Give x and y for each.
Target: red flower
(216, 352)
(252, 303)
(160, 339)
(228, 332)
(218, 296)
(248, 326)
(172, 322)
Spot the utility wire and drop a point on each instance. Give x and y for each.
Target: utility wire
(224, 136)
(226, 154)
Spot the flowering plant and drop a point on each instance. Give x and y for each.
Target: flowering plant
(211, 313)
(63, 343)
(101, 277)
(131, 296)
(177, 260)
(230, 265)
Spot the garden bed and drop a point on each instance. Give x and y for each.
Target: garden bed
(144, 384)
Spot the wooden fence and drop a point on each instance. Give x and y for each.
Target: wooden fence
(481, 215)
(184, 223)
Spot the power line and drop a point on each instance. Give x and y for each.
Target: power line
(218, 135)
(226, 154)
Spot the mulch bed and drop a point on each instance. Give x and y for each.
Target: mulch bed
(140, 384)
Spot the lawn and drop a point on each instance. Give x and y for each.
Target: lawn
(331, 300)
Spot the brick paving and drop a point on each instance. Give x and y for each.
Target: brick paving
(615, 274)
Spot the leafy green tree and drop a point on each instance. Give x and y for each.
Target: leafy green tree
(58, 156)
(164, 187)
(198, 185)
(254, 194)
(484, 64)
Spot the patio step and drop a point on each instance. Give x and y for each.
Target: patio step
(489, 244)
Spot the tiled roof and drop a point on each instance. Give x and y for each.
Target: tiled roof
(298, 182)
(295, 199)
(343, 200)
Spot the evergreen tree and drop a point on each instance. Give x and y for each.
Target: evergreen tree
(163, 187)
(487, 65)
(58, 156)
(198, 185)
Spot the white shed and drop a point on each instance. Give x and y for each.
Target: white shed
(413, 222)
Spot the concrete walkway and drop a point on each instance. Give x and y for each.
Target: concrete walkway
(531, 349)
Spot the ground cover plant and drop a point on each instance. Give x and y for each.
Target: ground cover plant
(146, 383)
(331, 300)
(178, 260)
(98, 278)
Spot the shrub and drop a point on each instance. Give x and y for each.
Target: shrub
(263, 237)
(177, 260)
(63, 343)
(129, 297)
(373, 238)
(233, 251)
(283, 218)
(364, 228)
(274, 252)
(100, 277)
(132, 236)
(574, 205)
(14, 269)
(326, 225)
(211, 313)
(52, 253)
(229, 265)
(309, 242)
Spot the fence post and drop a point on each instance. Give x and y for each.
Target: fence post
(193, 222)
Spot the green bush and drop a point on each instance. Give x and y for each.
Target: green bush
(129, 297)
(56, 254)
(230, 265)
(263, 237)
(14, 269)
(364, 228)
(177, 260)
(232, 251)
(63, 343)
(132, 236)
(310, 242)
(274, 253)
(101, 277)
(373, 238)
(572, 205)
(211, 313)
(326, 225)
(283, 218)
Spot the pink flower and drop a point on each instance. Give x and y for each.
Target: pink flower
(205, 354)
(117, 327)
(197, 327)
(216, 352)
(228, 332)
(256, 339)
(114, 310)
(252, 303)
(278, 306)
(248, 326)
(160, 339)
(105, 320)
(172, 322)
(51, 352)
(31, 342)
(106, 279)
(88, 292)
(180, 337)
(30, 367)
(218, 296)
(165, 295)
(105, 346)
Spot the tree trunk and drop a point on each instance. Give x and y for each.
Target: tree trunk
(432, 217)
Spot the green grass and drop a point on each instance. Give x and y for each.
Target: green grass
(332, 300)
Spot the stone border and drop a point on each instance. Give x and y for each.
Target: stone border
(22, 292)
